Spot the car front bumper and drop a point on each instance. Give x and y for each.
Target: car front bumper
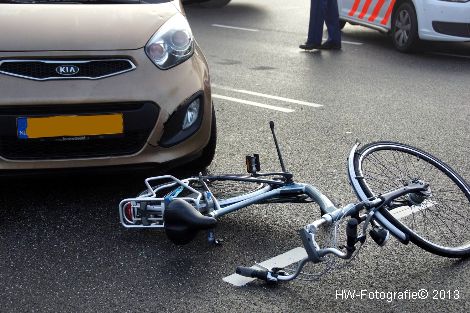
(443, 21)
(167, 90)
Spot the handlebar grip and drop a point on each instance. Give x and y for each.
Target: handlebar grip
(351, 232)
(252, 272)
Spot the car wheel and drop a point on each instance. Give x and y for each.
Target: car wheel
(209, 150)
(342, 24)
(215, 3)
(405, 28)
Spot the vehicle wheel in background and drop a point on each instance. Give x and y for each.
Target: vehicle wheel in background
(405, 28)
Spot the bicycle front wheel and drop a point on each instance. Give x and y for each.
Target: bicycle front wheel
(436, 220)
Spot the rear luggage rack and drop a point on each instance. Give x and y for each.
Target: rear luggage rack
(147, 210)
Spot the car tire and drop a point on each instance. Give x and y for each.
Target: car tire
(208, 152)
(215, 3)
(342, 23)
(405, 28)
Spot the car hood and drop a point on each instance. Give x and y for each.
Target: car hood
(59, 27)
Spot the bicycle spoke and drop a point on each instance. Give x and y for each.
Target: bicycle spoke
(445, 224)
(436, 227)
(452, 200)
(382, 182)
(453, 210)
(429, 169)
(405, 165)
(453, 219)
(386, 168)
(390, 182)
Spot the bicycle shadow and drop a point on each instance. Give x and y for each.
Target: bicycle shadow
(71, 221)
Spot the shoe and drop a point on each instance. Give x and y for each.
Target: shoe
(309, 46)
(329, 45)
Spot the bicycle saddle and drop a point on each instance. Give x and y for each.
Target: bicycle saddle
(183, 221)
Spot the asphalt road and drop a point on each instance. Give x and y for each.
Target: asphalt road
(62, 248)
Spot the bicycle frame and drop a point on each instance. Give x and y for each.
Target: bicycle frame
(268, 193)
(271, 189)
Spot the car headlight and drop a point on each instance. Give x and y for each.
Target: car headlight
(172, 44)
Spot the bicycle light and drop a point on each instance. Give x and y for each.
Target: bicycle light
(128, 211)
(379, 235)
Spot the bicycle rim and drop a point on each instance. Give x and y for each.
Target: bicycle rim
(437, 222)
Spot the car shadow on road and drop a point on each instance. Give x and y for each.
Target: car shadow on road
(445, 50)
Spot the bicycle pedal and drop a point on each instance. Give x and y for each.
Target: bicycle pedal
(218, 242)
(379, 235)
(211, 239)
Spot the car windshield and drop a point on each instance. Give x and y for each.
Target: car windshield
(83, 1)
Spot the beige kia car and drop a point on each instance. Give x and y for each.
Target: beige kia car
(88, 83)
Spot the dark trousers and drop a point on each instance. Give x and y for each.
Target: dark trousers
(324, 11)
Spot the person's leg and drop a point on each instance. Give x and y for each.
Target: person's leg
(315, 28)
(332, 21)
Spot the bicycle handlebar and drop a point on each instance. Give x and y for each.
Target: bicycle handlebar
(307, 234)
(252, 272)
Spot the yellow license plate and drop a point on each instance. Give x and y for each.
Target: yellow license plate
(69, 126)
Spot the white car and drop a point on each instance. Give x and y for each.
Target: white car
(410, 20)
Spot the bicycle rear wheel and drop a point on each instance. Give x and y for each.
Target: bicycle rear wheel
(437, 220)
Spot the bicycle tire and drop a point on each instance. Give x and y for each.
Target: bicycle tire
(447, 207)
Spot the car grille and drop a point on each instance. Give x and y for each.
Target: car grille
(65, 69)
(139, 120)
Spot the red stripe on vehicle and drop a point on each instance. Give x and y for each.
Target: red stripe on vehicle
(389, 12)
(354, 7)
(376, 10)
(365, 8)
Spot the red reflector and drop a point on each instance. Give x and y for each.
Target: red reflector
(128, 211)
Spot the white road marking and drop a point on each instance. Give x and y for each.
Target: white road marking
(352, 42)
(404, 211)
(348, 42)
(257, 30)
(256, 104)
(234, 27)
(282, 260)
(451, 55)
(311, 104)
